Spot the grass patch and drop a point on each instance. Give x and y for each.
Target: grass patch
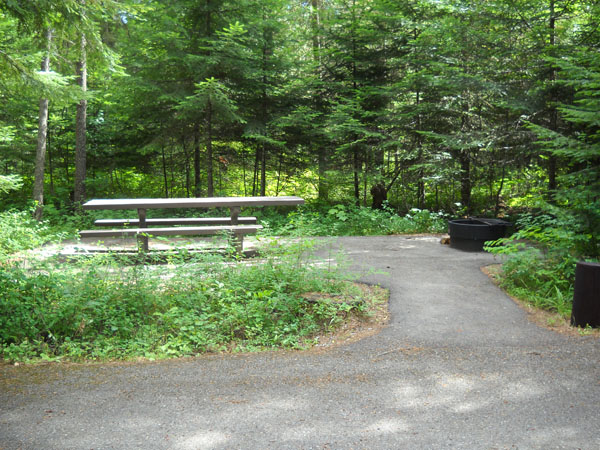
(99, 308)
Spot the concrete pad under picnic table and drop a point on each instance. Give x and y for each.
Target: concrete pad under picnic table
(458, 366)
(130, 244)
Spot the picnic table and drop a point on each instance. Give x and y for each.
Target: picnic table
(141, 227)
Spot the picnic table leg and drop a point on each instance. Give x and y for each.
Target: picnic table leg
(142, 239)
(238, 243)
(235, 213)
(237, 240)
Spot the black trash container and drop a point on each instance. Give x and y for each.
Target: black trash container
(470, 234)
(586, 295)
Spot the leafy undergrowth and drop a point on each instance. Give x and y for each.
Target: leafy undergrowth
(101, 308)
(540, 281)
(19, 231)
(350, 220)
(543, 317)
(540, 261)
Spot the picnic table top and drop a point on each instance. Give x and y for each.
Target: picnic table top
(204, 202)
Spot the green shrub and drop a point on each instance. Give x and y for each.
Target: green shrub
(19, 231)
(350, 220)
(10, 183)
(101, 308)
(541, 260)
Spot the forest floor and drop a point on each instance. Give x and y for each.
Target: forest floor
(459, 365)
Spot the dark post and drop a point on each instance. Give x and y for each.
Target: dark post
(238, 243)
(586, 296)
(237, 238)
(142, 239)
(235, 213)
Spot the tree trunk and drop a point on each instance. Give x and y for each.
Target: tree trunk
(210, 189)
(172, 171)
(244, 171)
(197, 187)
(80, 130)
(499, 193)
(266, 51)
(40, 155)
(65, 150)
(419, 144)
(552, 163)
(66, 162)
(464, 159)
(356, 169)
(379, 194)
(164, 167)
(279, 173)
(315, 23)
(323, 187)
(465, 180)
(263, 171)
(421, 190)
(255, 171)
(50, 163)
(551, 175)
(186, 165)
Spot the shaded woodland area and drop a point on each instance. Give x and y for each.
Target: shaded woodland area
(387, 116)
(466, 107)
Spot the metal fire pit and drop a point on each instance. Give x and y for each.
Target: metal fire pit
(470, 234)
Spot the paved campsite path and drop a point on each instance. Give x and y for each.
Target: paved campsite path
(459, 366)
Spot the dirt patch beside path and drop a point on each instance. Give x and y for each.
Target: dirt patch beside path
(357, 326)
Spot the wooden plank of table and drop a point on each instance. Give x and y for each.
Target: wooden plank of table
(171, 231)
(211, 202)
(175, 221)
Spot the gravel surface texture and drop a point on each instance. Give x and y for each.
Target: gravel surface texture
(459, 366)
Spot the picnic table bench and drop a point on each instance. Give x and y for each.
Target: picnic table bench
(141, 226)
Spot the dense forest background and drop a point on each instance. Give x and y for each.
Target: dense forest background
(466, 107)
(388, 116)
